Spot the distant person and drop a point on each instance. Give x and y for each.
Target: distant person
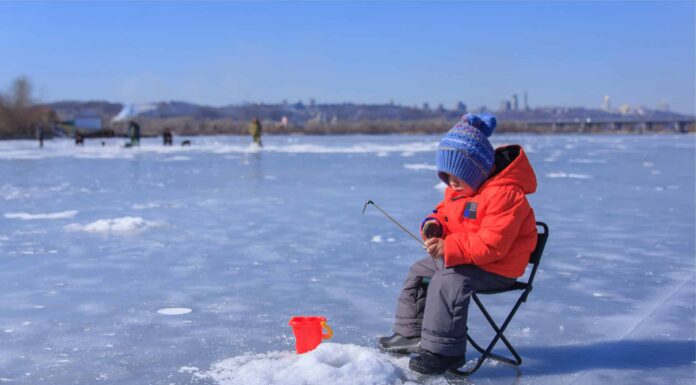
(40, 135)
(134, 133)
(255, 131)
(167, 137)
(479, 237)
(79, 139)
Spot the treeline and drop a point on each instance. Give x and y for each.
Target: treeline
(227, 126)
(193, 126)
(20, 117)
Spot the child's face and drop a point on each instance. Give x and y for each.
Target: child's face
(460, 186)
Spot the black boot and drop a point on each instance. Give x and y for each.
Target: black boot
(431, 363)
(399, 344)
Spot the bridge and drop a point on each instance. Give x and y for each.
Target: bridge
(681, 126)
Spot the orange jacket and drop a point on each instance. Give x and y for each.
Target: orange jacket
(495, 228)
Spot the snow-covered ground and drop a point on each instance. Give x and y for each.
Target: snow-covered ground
(183, 265)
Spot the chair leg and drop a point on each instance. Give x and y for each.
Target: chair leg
(499, 332)
(487, 353)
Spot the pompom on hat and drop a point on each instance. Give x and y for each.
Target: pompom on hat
(465, 151)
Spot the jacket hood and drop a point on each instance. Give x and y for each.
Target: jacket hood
(512, 167)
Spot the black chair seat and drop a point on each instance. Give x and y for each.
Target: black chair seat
(515, 286)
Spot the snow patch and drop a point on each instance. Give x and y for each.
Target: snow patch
(562, 174)
(28, 217)
(151, 205)
(329, 363)
(174, 311)
(421, 166)
(124, 225)
(13, 149)
(587, 161)
(177, 158)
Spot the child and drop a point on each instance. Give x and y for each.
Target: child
(479, 238)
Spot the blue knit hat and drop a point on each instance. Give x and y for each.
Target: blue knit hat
(465, 151)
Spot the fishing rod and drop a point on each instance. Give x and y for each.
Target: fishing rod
(369, 202)
(393, 220)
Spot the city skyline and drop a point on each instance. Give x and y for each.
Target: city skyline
(560, 54)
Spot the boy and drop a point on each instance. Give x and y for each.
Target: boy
(479, 238)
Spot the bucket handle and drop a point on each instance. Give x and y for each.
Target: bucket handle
(328, 329)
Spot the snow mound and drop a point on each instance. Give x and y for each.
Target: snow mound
(124, 225)
(27, 216)
(330, 363)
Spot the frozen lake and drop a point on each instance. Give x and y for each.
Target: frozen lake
(183, 265)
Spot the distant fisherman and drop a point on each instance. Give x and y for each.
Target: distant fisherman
(255, 130)
(79, 139)
(167, 137)
(134, 133)
(40, 135)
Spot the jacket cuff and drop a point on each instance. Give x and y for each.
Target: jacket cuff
(428, 219)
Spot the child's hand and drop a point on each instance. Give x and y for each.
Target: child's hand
(435, 247)
(431, 229)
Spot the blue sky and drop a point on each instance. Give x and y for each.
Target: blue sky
(561, 53)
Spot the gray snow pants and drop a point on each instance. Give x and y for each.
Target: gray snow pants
(438, 313)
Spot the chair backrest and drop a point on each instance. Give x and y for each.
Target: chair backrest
(535, 257)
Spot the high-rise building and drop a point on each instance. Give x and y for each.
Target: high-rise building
(526, 102)
(606, 104)
(461, 107)
(505, 105)
(515, 102)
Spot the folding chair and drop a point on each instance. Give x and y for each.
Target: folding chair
(526, 288)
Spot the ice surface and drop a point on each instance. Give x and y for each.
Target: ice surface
(246, 238)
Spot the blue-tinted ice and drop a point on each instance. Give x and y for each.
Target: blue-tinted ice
(150, 265)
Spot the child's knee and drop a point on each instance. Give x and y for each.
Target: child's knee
(448, 280)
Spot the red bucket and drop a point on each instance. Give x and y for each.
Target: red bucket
(308, 332)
